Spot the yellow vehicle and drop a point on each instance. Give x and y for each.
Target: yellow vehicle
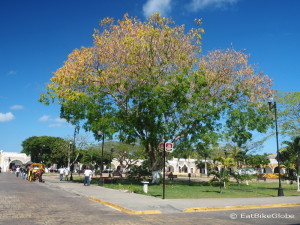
(35, 172)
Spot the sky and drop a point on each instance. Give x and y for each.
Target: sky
(37, 36)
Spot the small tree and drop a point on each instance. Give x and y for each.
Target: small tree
(290, 156)
(222, 178)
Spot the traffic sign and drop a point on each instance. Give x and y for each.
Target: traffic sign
(161, 146)
(169, 147)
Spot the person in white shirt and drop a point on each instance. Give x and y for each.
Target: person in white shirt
(17, 171)
(87, 175)
(66, 174)
(61, 173)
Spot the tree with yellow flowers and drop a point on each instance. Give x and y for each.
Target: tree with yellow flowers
(148, 83)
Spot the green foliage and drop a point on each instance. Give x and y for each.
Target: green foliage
(141, 172)
(199, 190)
(290, 156)
(288, 113)
(242, 121)
(240, 178)
(221, 178)
(46, 149)
(155, 87)
(257, 160)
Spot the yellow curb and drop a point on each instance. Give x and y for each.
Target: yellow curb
(205, 209)
(122, 209)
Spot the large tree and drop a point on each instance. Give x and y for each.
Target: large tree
(147, 81)
(46, 149)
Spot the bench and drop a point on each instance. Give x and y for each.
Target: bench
(106, 180)
(116, 174)
(171, 176)
(261, 177)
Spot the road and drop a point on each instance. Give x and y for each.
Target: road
(26, 203)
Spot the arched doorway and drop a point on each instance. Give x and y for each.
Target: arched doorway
(267, 169)
(276, 169)
(13, 164)
(170, 169)
(184, 169)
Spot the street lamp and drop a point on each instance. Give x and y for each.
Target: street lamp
(272, 105)
(100, 133)
(69, 153)
(111, 152)
(76, 131)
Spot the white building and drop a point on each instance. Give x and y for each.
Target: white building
(10, 159)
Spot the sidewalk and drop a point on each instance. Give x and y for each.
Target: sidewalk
(132, 203)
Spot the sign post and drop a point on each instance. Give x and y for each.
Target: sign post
(165, 147)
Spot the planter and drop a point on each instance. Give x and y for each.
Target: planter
(145, 186)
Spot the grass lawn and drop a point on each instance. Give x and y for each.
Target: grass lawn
(185, 189)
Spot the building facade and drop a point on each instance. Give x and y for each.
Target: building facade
(8, 160)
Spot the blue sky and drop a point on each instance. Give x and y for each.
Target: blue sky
(37, 36)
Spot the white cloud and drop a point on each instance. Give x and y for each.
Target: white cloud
(17, 107)
(6, 117)
(44, 118)
(11, 72)
(59, 120)
(196, 5)
(154, 6)
(55, 125)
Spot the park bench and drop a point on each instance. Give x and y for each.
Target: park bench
(172, 176)
(261, 177)
(106, 180)
(117, 174)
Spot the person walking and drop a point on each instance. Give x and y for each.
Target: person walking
(61, 173)
(87, 177)
(66, 174)
(17, 171)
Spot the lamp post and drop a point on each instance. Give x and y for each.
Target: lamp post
(111, 152)
(272, 105)
(76, 131)
(69, 153)
(100, 133)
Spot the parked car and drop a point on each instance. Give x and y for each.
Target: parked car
(108, 171)
(247, 170)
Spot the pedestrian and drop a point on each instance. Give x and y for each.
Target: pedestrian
(17, 171)
(25, 172)
(61, 173)
(66, 174)
(87, 177)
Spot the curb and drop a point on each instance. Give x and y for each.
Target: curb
(122, 209)
(205, 209)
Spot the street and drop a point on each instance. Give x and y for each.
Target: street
(30, 203)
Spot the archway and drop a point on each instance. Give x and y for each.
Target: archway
(13, 164)
(184, 169)
(170, 169)
(267, 169)
(276, 169)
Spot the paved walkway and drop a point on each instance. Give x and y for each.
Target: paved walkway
(132, 203)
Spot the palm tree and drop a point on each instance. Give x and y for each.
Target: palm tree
(204, 152)
(290, 155)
